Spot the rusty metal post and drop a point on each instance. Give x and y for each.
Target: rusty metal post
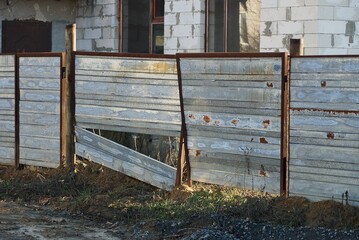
(296, 47)
(70, 38)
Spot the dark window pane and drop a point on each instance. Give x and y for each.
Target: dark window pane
(216, 26)
(157, 39)
(136, 26)
(159, 8)
(233, 27)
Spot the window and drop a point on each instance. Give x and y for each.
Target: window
(141, 24)
(227, 27)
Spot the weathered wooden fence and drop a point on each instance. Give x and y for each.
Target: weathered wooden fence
(232, 108)
(324, 128)
(7, 109)
(126, 93)
(39, 96)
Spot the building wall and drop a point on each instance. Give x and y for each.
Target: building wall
(184, 26)
(326, 26)
(59, 12)
(97, 25)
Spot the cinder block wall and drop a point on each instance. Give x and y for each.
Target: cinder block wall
(327, 27)
(97, 25)
(184, 26)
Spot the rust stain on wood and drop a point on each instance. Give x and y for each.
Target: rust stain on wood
(323, 83)
(263, 140)
(269, 84)
(330, 135)
(262, 172)
(198, 153)
(266, 123)
(191, 116)
(206, 118)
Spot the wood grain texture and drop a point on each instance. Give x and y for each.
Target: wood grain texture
(7, 109)
(39, 111)
(232, 109)
(125, 160)
(138, 95)
(324, 128)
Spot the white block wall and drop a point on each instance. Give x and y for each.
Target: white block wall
(327, 26)
(184, 26)
(97, 25)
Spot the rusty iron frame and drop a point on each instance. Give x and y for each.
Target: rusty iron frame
(284, 106)
(17, 100)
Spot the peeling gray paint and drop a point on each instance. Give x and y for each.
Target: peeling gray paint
(286, 41)
(267, 31)
(332, 43)
(288, 14)
(350, 31)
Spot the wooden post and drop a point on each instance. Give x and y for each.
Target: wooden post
(296, 47)
(70, 45)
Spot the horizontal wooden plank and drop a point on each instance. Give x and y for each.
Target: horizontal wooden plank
(325, 135)
(125, 64)
(208, 77)
(7, 139)
(332, 154)
(7, 153)
(324, 124)
(149, 79)
(198, 130)
(41, 72)
(129, 105)
(7, 103)
(324, 95)
(42, 155)
(324, 174)
(234, 121)
(7, 161)
(232, 94)
(38, 95)
(325, 106)
(4, 116)
(43, 84)
(118, 151)
(40, 61)
(8, 134)
(7, 60)
(311, 76)
(325, 142)
(270, 66)
(324, 113)
(7, 126)
(8, 144)
(234, 147)
(39, 107)
(240, 84)
(7, 82)
(137, 99)
(141, 130)
(234, 110)
(39, 119)
(43, 143)
(325, 83)
(230, 104)
(323, 190)
(120, 74)
(265, 184)
(124, 114)
(325, 65)
(50, 131)
(130, 90)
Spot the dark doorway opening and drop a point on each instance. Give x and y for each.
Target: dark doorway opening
(26, 36)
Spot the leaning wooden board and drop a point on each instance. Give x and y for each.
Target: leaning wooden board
(7, 109)
(232, 112)
(39, 110)
(324, 128)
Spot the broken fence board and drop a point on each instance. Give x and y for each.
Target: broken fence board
(125, 160)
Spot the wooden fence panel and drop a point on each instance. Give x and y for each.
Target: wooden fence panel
(7, 109)
(127, 94)
(233, 118)
(40, 110)
(324, 128)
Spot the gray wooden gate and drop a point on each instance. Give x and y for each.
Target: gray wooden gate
(324, 128)
(126, 93)
(232, 108)
(39, 114)
(7, 109)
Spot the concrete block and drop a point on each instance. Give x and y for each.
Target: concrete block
(269, 28)
(106, 44)
(353, 51)
(346, 13)
(291, 27)
(325, 26)
(101, 2)
(353, 3)
(312, 13)
(171, 18)
(310, 51)
(187, 30)
(170, 43)
(109, 32)
(109, 10)
(275, 41)
(333, 3)
(92, 33)
(191, 42)
(182, 6)
(290, 3)
(269, 4)
(84, 45)
(273, 14)
(332, 51)
(109, 21)
(191, 18)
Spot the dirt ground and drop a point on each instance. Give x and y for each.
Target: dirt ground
(38, 203)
